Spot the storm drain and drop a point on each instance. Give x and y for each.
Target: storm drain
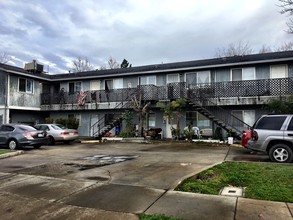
(232, 191)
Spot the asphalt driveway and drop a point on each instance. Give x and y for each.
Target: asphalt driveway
(113, 181)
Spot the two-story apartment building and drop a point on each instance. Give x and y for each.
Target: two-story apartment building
(227, 92)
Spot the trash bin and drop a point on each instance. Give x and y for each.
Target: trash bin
(230, 140)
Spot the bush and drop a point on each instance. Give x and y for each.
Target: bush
(71, 123)
(49, 120)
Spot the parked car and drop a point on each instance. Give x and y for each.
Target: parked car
(17, 135)
(273, 134)
(58, 133)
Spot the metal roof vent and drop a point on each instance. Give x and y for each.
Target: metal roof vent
(34, 67)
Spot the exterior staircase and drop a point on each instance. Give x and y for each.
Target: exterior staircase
(109, 121)
(220, 116)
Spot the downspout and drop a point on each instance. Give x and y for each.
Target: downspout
(6, 110)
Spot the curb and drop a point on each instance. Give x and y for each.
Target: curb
(2, 156)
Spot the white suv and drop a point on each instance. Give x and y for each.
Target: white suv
(273, 134)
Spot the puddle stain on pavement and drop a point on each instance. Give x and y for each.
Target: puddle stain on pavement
(64, 170)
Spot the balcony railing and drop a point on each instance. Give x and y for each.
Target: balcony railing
(248, 88)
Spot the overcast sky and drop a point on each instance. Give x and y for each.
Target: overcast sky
(55, 32)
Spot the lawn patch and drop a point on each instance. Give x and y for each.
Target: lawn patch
(5, 151)
(261, 181)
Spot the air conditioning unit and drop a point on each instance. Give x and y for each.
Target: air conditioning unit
(34, 67)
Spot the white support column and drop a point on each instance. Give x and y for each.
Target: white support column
(7, 100)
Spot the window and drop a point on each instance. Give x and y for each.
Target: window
(279, 71)
(198, 77)
(240, 74)
(6, 128)
(191, 118)
(118, 84)
(152, 120)
(271, 123)
(247, 116)
(74, 87)
(290, 126)
(197, 119)
(113, 84)
(236, 75)
(25, 85)
(108, 84)
(147, 80)
(173, 78)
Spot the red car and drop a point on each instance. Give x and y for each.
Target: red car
(245, 138)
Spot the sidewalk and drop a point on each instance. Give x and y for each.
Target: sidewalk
(191, 206)
(35, 197)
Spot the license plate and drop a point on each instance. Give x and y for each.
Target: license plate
(40, 135)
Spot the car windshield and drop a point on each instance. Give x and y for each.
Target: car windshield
(26, 128)
(59, 127)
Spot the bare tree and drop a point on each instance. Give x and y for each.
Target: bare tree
(265, 49)
(103, 67)
(239, 49)
(81, 65)
(285, 46)
(113, 64)
(4, 58)
(287, 8)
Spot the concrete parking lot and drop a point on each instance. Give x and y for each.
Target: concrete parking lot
(117, 181)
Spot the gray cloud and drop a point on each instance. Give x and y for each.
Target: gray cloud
(143, 32)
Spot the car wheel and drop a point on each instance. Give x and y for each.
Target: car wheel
(37, 146)
(281, 153)
(51, 140)
(13, 144)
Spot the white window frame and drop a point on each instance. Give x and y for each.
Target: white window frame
(243, 114)
(173, 74)
(242, 69)
(152, 123)
(120, 86)
(139, 80)
(75, 86)
(280, 65)
(30, 91)
(197, 76)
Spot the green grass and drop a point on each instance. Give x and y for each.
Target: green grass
(5, 151)
(156, 217)
(261, 181)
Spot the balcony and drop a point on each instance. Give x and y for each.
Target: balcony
(254, 91)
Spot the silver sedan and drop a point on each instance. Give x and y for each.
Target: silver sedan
(58, 133)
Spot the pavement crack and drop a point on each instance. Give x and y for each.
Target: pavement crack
(289, 209)
(235, 210)
(109, 174)
(227, 154)
(155, 201)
